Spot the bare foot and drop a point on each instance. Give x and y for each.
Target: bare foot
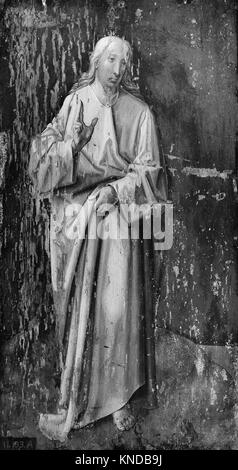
(123, 419)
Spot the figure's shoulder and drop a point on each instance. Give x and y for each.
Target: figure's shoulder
(82, 92)
(131, 106)
(128, 99)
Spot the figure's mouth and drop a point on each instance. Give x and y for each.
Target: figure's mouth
(113, 79)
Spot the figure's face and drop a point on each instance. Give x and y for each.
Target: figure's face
(112, 65)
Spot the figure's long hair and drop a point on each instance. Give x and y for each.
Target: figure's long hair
(88, 77)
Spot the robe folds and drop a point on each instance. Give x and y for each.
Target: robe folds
(97, 280)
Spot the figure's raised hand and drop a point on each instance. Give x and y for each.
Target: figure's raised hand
(82, 133)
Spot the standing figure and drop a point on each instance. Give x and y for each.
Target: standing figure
(98, 155)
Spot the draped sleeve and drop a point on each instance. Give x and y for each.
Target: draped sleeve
(145, 181)
(51, 158)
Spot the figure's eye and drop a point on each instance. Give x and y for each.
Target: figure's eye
(111, 59)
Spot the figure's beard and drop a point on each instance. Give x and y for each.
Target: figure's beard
(112, 85)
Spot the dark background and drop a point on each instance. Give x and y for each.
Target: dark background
(184, 60)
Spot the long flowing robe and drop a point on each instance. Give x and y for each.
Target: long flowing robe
(97, 280)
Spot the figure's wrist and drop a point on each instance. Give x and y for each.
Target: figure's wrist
(76, 148)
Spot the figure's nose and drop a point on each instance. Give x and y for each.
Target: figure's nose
(116, 69)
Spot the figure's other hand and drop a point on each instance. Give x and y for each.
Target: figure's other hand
(82, 133)
(106, 200)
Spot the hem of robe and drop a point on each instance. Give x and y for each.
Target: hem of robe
(84, 422)
(58, 421)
